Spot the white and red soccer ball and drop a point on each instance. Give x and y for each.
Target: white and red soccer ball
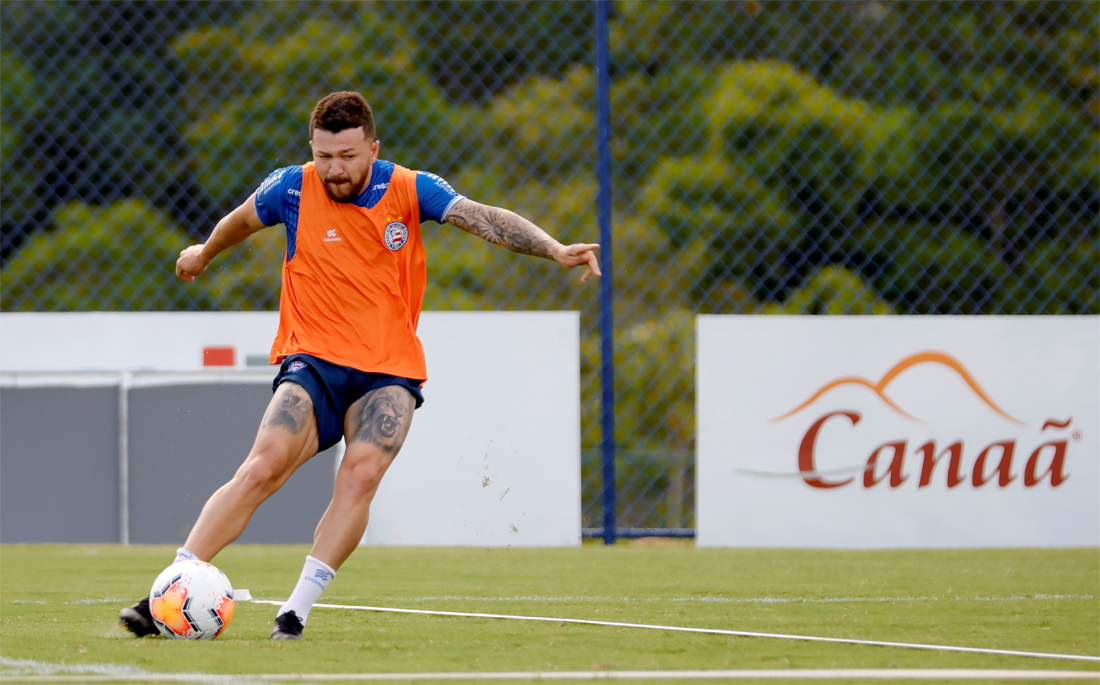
(191, 600)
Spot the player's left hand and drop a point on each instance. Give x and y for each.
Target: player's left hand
(191, 262)
(581, 253)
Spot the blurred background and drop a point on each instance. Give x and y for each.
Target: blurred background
(768, 158)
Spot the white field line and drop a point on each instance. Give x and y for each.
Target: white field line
(711, 631)
(718, 600)
(746, 600)
(105, 600)
(942, 675)
(28, 670)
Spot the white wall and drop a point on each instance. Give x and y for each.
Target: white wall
(492, 459)
(756, 484)
(130, 341)
(493, 456)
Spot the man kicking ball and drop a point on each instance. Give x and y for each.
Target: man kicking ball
(351, 364)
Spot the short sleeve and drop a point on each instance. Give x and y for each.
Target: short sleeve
(436, 196)
(274, 195)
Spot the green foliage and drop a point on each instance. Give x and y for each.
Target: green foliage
(285, 69)
(258, 49)
(248, 277)
(1003, 152)
(745, 226)
(661, 478)
(832, 290)
(473, 50)
(546, 127)
(1024, 172)
(119, 257)
(106, 123)
(655, 393)
(1038, 42)
(1077, 179)
(929, 269)
(19, 106)
(696, 196)
(458, 270)
(1055, 278)
(916, 79)
(655, 116)
(793, 132)
(541, 128)
(18, 101)
(890, 163)
(652, 35)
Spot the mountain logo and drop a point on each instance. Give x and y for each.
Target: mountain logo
(909, 362)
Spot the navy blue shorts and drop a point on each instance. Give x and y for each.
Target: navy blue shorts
(334, 388)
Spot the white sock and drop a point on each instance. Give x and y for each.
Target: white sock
(316, 575)
(183, 554)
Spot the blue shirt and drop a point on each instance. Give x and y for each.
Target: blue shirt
(280, 195)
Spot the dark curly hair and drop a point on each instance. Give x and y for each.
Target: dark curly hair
(340, 111)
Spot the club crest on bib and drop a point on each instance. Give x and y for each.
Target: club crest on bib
(397, 234)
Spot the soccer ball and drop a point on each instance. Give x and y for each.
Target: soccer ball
(191, 600)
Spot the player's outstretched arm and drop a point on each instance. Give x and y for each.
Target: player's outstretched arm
(506, 228)
(235, 228)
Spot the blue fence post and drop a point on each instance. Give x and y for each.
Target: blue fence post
(607, 351)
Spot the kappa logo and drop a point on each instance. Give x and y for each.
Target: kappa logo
(331, 237)
(1047, 454)
(439, 181)
(296, 365)
(397, 234)
(271, 180)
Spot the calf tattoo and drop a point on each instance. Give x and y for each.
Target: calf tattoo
(290, 409)
(383, 418)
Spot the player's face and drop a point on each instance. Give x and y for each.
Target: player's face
(343, 161)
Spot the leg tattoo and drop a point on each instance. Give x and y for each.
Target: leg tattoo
(289, 410)
(383, 418)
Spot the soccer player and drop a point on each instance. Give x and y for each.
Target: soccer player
(351, 364)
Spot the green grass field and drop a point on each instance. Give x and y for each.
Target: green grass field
(58, 605)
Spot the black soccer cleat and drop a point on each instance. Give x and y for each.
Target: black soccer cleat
(138, 619)
(287, 627)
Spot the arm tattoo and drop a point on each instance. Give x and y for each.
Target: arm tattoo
(383, 418)
(502, 227)
(289, 410)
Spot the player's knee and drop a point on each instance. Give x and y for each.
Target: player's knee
(363, 478)
(261, 474)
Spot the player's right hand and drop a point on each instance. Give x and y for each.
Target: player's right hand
(191, 263)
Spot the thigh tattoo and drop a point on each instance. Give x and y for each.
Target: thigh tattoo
(383, 418)
(290, 409)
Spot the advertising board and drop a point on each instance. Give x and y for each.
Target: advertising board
(493, 458)
(877, 432)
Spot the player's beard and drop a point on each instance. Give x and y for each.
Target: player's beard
(347, 189)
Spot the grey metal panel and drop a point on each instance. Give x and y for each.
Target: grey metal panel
(59, 465)
(186, 441)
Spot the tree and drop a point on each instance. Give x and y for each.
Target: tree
(282, 69)
(117, 257)
(106, 120)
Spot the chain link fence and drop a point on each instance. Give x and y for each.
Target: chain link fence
(768, 158)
